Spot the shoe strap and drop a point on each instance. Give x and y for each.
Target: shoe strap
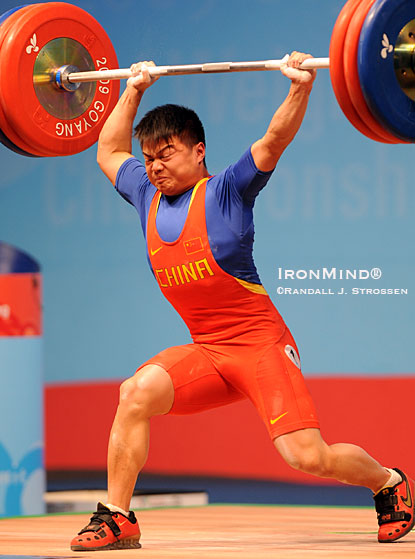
(385, 502)
(392, 516)
(97, 519)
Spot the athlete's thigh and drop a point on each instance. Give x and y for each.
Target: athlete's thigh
(198, 386)
(270, 376)
(282, 396)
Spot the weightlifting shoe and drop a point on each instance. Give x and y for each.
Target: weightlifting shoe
(396, 509)
(108, 530)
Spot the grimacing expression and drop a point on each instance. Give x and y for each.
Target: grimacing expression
(173, 166)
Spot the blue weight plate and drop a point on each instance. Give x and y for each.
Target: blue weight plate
(10, 12)
(3, 138)
(383, 93)
(10, 145)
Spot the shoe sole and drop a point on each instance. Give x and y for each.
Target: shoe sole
(410, 526)
(121, 544)
(399, 536)
(402, 534)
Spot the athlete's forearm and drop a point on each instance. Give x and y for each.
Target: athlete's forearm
(283, 127)
(289, 116)
(116, 134)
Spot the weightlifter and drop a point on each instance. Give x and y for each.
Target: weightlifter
(199, 232)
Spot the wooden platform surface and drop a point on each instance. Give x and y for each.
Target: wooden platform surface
(219, 532)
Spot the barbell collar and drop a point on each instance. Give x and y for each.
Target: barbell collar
(185, 69)
(61, 78)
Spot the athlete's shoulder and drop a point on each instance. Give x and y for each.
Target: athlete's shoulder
(132, 181)
(131, 170)
(241, 180)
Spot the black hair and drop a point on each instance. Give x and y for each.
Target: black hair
(166, 121)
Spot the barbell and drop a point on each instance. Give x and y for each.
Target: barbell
(68, 80)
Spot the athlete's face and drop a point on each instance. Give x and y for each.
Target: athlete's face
(174, 167)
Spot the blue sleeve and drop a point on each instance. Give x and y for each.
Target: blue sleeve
(230, 198)
(134, 186)
(248, 179)
(242, 180)
(131, 179)
(236, 188)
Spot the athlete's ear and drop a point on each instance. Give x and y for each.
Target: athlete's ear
(200, 152)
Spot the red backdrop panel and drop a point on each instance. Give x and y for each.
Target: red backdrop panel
(375, 413)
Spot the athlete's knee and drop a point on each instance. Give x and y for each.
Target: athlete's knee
(309, 454)
(149, 392)
(311, 461)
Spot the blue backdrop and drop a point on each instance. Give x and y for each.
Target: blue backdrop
(336, 200)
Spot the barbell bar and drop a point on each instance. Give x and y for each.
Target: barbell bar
(68, 79)
(186, 69)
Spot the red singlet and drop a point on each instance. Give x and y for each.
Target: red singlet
(242, 347)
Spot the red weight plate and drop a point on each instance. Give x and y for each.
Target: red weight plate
(337, 70)
(3, 138)
(351, 72)
(56, 121)
(5, 126)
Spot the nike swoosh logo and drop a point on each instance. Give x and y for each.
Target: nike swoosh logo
(408, 499)
(122, 523)
(272, 421)
(153, 252)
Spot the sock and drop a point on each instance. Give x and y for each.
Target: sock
(117, 509)
(394, 479)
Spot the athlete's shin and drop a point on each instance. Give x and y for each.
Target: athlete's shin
(149, 392)
(306, 451)
(354, 466)
(127, 454)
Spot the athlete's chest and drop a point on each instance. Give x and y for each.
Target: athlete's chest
(172, 213)
(187, 258)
